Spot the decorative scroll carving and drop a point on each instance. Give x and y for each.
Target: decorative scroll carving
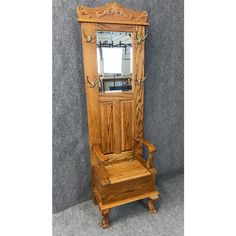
(112, 12)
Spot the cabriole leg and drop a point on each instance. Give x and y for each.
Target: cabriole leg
(105, 220)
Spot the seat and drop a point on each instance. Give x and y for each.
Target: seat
(126, 170)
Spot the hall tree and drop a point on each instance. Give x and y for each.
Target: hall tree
(120, 173)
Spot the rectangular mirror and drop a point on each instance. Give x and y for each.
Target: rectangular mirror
(114, 59)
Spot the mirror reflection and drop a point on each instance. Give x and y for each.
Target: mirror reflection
(114, 58)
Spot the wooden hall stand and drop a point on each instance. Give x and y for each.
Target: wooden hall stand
(120, 174)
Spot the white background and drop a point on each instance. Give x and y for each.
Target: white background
(26, 118)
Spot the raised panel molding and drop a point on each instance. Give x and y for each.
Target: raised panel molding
(106, 111)
(127, 127)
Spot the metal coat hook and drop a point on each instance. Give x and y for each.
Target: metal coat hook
(140, 39)
(89, 38)
(141, 81)
(92, 83)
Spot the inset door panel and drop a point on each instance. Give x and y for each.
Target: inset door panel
(117, 128)
(127, 127)
(106, 112)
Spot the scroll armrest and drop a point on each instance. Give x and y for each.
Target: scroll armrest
(152, 150)
(99, 153)
(150, 146)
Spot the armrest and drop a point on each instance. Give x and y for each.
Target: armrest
(152, 150)
(99, 153)
(150, 146)
(102, 170)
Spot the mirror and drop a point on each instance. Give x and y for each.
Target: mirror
(114, 59)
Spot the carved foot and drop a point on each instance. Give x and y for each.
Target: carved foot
(105, 220)
(151, 206)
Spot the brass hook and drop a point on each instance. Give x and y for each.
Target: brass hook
(91, 83)
(140, 39)
(89, 38)
(141, 81)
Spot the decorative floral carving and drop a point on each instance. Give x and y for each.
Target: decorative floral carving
(112, 9)
(142, 16)
(83, 11)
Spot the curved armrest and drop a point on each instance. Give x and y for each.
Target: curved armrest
(152, 150)
(99, 153)
(150, 146)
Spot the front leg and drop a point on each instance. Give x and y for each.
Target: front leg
(151, 206)
(105, 220)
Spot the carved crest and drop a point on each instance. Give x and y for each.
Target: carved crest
(112, 13)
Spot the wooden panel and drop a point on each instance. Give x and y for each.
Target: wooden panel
(128, 199)
(112, 13)
(127, 130)
(115, 96)
(120, 200)
(117, 131)
(122, 190)
(89, 55)
(123, 156)
(118, 28)
(90, 58)
(106, 111)
(138, 65)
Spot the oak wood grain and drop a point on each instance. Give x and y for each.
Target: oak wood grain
(117, 127)
(107, 132)
(127, 126)
(149, 145)
(139, 90)
(116, 158)
(126, 170)
(128, 200)
(99, 153)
